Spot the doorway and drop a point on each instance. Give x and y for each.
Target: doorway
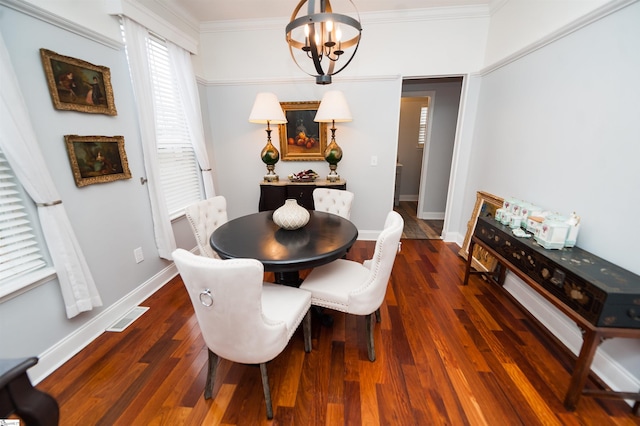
(426, 137)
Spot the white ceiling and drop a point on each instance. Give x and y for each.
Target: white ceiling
(223, 10)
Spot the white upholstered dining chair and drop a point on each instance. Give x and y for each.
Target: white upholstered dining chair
(355, 288)
(336, 201)
(205, 217)
(241, 318)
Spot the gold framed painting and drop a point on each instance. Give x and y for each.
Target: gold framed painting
(485, 206)
(97, 159)
(77, 85)
(301, 138)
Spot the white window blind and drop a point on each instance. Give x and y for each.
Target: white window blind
(422, 131)
(179, 172)
(19, 249)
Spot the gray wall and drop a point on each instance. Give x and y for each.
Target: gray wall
(109, 219)
(373, 132)
(559, 127)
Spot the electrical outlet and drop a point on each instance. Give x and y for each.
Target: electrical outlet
(138, 255)
(374, 160)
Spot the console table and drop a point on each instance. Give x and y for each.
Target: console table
(274, 194)
(602, 298)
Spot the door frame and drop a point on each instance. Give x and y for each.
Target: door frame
(431, 94)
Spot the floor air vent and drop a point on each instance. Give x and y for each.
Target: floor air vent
(128, 319)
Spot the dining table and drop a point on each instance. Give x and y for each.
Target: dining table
(325, 238)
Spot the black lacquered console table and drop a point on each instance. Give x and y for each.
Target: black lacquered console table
(602, 298)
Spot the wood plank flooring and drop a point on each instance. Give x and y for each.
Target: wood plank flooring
(418, 229)
(446, 355)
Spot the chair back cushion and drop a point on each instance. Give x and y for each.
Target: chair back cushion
(336, 201)
(369, 296)
(204, 217)
(233, 326)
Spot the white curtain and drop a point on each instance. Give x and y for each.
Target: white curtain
(19, 143)
(187, 87)
(136, 38)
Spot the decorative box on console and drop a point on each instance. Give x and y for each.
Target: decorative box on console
(604, 294)
(552, 234)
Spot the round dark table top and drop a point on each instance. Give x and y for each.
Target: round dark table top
(325, 238)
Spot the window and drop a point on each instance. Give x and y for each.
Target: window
(422, 130)
(179, 172)
(19, 248)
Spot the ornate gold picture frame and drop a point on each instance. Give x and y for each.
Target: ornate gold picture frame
(77, 85)
(485, 206)
(97, 159)
(301, 138)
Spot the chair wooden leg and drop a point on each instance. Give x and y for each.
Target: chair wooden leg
(370, 326)
(306, 331)
(211, 375)
(267, 391)
(378, 318)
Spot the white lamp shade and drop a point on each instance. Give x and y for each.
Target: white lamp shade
(267, 109)
(333, 108)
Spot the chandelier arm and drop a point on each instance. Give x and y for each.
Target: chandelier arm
(348, 61)
(314, 55)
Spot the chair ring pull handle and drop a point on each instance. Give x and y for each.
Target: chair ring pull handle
(206, 298)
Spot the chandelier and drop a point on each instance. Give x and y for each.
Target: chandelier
(329, 40)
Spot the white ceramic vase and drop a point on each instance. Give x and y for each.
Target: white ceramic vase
(291, 215)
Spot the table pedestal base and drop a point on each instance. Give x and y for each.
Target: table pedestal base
(292, 278)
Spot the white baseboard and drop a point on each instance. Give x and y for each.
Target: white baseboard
(431, 215)
(453, 237)
(409, 197)
(65, 349)
(368, 235)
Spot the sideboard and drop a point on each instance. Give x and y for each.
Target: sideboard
(274, 194)
(600, 297)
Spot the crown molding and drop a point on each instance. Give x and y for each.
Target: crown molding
(60, 22)
(289, 81)
(595, 15)
(368, 18)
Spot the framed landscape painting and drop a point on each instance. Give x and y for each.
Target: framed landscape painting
(301, 138)
(77, 85)
(97, 159)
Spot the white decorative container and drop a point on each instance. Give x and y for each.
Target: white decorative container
(516, 221)
(291, 215)
(552, 234)
(506, 218)
(574, 228)
(509, 204)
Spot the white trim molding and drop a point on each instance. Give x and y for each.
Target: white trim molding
(560, 33)
(60, 22)
(66, 348)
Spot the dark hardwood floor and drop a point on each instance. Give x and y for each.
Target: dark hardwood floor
(418, 229)
(447, 355)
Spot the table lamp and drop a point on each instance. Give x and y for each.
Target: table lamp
(333, 108)
(267, 109)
